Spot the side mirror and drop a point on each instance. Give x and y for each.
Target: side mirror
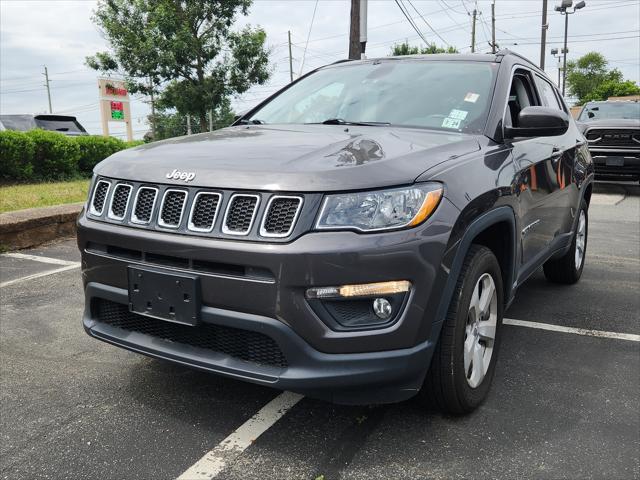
(539, 122)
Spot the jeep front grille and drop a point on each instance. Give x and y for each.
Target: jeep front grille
(99, 197)
(119, 201)
(240, 213)
(197, 211)
(204, 211)
(144, 203)
(281, 215)
(172, 208)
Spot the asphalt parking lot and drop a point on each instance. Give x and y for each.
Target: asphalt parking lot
(564, 404)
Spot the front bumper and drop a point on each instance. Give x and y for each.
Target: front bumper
(616, 163)
(377, 366)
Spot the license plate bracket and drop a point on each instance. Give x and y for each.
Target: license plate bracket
(164, 295)
(614, 162)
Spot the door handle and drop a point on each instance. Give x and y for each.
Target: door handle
(556, 153)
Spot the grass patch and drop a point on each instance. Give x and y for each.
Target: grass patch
(19, 197)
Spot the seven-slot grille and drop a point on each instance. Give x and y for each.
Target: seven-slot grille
(281, 215)
(119, 201)
(195, 210)
(143, 206)
(240, 212)
(172, 208)
(99, 197)
(204, 211)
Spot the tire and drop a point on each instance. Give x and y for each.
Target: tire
(448, 386)
(568, 268)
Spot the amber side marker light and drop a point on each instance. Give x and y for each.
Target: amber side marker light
(429, 204)
(361, 290)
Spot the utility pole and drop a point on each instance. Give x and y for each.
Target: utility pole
(153, 109)
(355, 48)
(188, 124)
(210, 120)
(563, 8)
(46, 77)
(290, 58)
(473, 32)
(493, 26)
(543, 34)
(363, 27)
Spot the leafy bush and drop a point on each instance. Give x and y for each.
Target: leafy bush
(16, 155)
(94, 149)
(56, 155)
(45, 155)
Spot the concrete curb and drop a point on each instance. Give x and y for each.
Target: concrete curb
(31, 227)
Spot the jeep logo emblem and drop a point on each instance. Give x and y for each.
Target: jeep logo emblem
(177, 175)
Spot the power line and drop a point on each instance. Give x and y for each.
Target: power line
(428, 25)
(411, 22)
(315, 7)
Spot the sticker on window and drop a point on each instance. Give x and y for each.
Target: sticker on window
(451, 122)
(458, 114)
(471, 97)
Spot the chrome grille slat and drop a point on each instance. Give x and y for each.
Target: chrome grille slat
(99, 198)
(280, 216)
(144, 205)
(204, 211)
(172, 208)
(119, 201)
(240, 214)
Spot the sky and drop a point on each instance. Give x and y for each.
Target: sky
(60, 34)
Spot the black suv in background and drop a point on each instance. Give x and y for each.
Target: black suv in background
(612, 129)
(356, 237)
(65, 124)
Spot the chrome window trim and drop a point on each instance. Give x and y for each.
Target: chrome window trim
(161, 222)
(264, 233)
(110, 213)
(190, 225)
(92, 210)
(134, 218)
(225, 230)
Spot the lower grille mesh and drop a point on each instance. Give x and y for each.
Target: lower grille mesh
(242, 344)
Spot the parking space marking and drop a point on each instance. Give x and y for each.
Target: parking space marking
(41, 274)
(577, 331)
(36, 258)
(214, 461)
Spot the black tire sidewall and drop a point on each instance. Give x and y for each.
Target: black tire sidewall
(483, 262)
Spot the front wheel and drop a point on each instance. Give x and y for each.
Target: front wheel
(464, 360)
(568, 268)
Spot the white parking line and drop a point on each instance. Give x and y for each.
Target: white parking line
(231, 447)
(39, 275)
(577, 331)
(36, 258)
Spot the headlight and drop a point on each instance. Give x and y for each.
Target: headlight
(380, 209)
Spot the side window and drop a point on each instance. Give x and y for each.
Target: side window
(547, 93)
(521, 95)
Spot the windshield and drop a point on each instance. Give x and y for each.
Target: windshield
(451, 95)
(596, 111)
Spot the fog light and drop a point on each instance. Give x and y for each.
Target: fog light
(382, 308)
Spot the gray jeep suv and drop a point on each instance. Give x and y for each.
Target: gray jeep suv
(356, 237)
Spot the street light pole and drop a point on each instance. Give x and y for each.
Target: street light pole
(563, 8)
(564, 61)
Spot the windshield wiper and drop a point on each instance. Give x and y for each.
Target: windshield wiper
(252, 122)
(342, 121)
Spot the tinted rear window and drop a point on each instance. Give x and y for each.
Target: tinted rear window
(59, 124)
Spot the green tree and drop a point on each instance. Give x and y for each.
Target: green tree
(405, 49)
(170, 123)
(183, 50)
(589, 78)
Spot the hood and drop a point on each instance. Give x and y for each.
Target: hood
(609, 123)
(302, 158)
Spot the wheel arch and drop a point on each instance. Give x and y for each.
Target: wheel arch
(495, 229)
